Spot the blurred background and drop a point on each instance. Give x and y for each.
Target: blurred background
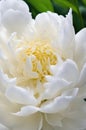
(61, 7)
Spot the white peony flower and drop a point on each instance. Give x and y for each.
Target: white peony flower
(42, 70)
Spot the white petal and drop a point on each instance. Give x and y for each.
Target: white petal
(3, 35)
(58, 104)
(66, 35)
(33, 122)
(55, 87)
(82, 83)
(26, 111)
(68, 71)
(2, 127)
(54, 119)
(63, 31)
(80, 50)
(20, 5)
(46, 125)
(71, 92)
(20, 95)
(29, 72)
(55, 68)
(9, 21)
(82, 79)
(75, 117)
(44, 25)
(12, 10)
(5, 82)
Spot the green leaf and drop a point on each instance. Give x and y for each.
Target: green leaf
(75, 7)
(69, 3)
(41, 5)
(84, 1)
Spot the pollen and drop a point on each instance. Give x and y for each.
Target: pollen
(44, 56)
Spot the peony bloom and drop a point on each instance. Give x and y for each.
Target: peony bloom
(42, 70)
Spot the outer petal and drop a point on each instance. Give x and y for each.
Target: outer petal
(80, 50)
(16, 10)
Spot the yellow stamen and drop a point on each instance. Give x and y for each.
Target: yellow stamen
(44, 56)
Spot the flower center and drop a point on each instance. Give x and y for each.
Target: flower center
(43, 55)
